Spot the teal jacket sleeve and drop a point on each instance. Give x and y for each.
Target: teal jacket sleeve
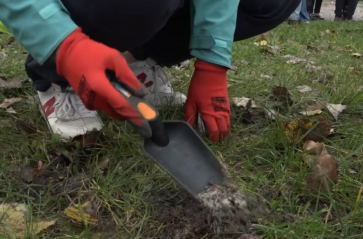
(213, 27)
(38, 25)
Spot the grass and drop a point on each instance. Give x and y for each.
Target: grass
(126, 195)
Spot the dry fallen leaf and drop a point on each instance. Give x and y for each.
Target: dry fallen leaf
(28, 172)
(324, 174)
(243, 101)
(16, 222)
(314, 108)
(281, 94)
(279, 101)
(303, 129)
(295, 59)
(8, 102)
(304, 88)
(84, 213)
(103, 164)
(25, 126)
(313, 150)
(313, 48)
(263, 43)
(244, 62)
(336, 109)
(265, 76)
(233, 68)
(311, 68)
(273, 50)
(12, 83)
(10, 110)
(356, 55)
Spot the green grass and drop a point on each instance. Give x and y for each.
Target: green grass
(126, 194)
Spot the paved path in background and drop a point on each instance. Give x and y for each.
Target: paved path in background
(327, 12)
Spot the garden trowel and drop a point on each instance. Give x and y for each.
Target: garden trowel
(179, 150)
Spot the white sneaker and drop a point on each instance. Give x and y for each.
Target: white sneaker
(157, 84)
(65, 113)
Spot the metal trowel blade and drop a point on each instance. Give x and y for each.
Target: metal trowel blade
(186, 158)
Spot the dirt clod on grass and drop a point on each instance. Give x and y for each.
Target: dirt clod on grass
(227, 206)
(221, 211)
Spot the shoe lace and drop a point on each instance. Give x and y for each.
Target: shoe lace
(70, 107)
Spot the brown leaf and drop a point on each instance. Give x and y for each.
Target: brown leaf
(314, 148)
(91, 139)
(316, 105)
(27, 174)
(282, 95)
(313, 48)
(26, 127)
(320, 130)
(103, 165)
(314, 108)
(304, 129)
(85, 213)
(251, 117)
(9, 84)
(8, 102)
(324, 174)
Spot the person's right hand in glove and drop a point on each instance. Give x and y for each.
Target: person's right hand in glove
(83, 62)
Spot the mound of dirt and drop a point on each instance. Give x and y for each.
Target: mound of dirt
(227, 206)
(183, 217)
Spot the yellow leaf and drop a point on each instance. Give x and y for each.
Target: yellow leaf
(15, 220)
(357, 55)
(82, 213)
(263, 43)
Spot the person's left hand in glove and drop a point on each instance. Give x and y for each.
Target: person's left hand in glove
(208, 96)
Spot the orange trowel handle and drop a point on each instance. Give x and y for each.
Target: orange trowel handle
(159, 136)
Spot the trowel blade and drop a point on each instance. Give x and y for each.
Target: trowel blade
(187, 158)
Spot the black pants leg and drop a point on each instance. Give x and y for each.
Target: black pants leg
(317, 8)
(160, 31)
(310, 6)
(352, 5)
(339, 6)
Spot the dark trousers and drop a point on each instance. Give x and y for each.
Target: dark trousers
(314, 6)
(345, 8)
(158, 29)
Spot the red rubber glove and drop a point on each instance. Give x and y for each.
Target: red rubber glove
(208, 95)
(83, 62)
